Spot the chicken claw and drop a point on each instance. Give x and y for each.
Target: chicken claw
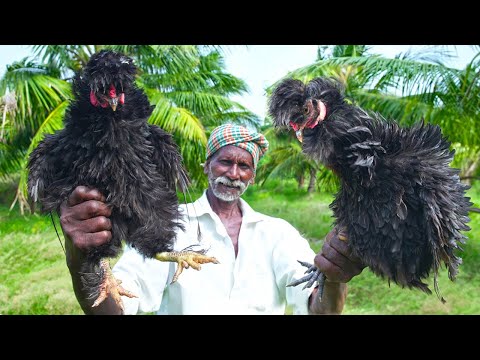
(186, 258)
(314, 275)
(110, 286)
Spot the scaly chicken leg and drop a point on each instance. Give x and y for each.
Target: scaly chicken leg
(110, 286)
(186, 258)
(313, 273)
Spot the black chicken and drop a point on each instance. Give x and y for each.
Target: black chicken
(400, 203)
(107, 144)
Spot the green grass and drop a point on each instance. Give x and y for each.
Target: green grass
(309, 213)
(34, 278)
(369, 294)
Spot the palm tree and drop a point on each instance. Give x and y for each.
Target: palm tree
(285, 159)
(411, 87)
(187, 85)
(417, 86)
(39, 98)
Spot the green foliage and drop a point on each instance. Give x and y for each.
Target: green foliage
(368, 294)
(187, 84)
(34, 278)
(190, 91)
(412, 87)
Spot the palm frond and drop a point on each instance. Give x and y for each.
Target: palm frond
(245, 118)
(198, 74)
(10, 160)
(52, 123)
(177, 120)
(205, 104)
(67, 58)
(350, 50)
(406, 110)
(37, 93)
(187, 84)
(465, 155)
(173, 59)
(327, 181)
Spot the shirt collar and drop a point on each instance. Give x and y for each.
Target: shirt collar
(201, 206)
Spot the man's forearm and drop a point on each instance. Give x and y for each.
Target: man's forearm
(75, 260)
(333, 299)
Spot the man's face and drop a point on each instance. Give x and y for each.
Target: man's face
(230, 170)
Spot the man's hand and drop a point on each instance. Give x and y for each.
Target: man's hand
(336, 260)
(339, 266)
(84, 218)
(85, 223)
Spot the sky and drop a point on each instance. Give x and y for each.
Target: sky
(261, 65)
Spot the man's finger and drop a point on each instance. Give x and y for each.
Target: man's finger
(331, 270)
(88, 241)
(343, 248)
(90, 209)
(330, 235)
(334, 256)
(84, 193)
(97, 224)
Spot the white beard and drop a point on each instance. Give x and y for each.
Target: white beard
(227, 196)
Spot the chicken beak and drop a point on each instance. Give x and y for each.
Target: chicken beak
(298, 130)
(113, 103)
(299, 134)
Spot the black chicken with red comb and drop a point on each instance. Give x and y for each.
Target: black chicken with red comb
(107, 144)
(401, 205)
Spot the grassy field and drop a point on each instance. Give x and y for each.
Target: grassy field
(34, 278)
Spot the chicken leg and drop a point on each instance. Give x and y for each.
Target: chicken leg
(110, 286)
(186, 258)
(314, 275)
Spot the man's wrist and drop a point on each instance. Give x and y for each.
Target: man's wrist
(332, 301)
(74, 256)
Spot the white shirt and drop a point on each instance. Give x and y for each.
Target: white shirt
(252, 283)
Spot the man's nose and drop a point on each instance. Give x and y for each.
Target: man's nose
(233, 172)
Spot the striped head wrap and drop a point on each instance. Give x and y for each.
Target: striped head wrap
(230, 134)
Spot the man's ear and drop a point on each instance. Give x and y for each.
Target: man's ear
(206, 166)
(252, 180)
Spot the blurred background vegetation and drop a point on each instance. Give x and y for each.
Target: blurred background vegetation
(192, 91)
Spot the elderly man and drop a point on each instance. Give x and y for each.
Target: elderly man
(257, 253)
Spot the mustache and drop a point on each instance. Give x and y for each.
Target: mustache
(226, 181)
